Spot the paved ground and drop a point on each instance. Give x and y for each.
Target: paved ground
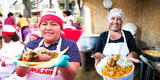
(87, 75)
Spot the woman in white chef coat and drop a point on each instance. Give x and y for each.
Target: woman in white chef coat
(116, 40)
(10, 49)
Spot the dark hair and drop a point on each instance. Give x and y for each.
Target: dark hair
(68, 13)
(15, 37)
(20, 16)
(10, 14)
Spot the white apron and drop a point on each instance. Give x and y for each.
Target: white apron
(9, 50)
(44, 73)
(116, 48)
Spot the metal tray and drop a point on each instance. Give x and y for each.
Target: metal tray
(150, 57)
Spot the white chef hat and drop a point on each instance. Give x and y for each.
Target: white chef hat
(52, 14)
(8, 30)
(115, 12)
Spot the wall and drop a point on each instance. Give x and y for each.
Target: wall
(150, 23)
(143, 13)
(98, 15)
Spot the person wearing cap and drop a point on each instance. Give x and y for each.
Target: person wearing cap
(116, 40)
(68, 20)
(23, 24)
(10, 20)
(51, 26)
(10, 49)
(34, 35)
(0, 19)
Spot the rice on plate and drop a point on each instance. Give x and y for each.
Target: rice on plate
(116, 68)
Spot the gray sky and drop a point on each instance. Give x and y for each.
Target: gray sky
(10, 1)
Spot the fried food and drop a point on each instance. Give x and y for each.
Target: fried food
(116, 57)
(45, 59)
(38, 55)
(112, 61)
(115, 69)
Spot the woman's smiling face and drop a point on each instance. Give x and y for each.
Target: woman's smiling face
(50, 31)
(115, 23)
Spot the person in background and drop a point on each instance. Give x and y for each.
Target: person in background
(10, 20)
(1, 24)
(51, 26)
(68, 20)
(0, 18)
(23, 24)
(34, 35)
(11, 49)
(116, 40)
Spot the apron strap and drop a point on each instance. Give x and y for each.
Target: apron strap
(108, 37)
(40, 43)
(58, 47)
(54, 72)
(122, 35)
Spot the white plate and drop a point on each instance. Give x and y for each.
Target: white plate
(101, 65)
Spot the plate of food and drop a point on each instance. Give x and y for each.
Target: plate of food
(116, 68)
(32, 58)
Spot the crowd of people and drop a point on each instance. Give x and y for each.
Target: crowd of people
(48, 35)
(24, 26)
